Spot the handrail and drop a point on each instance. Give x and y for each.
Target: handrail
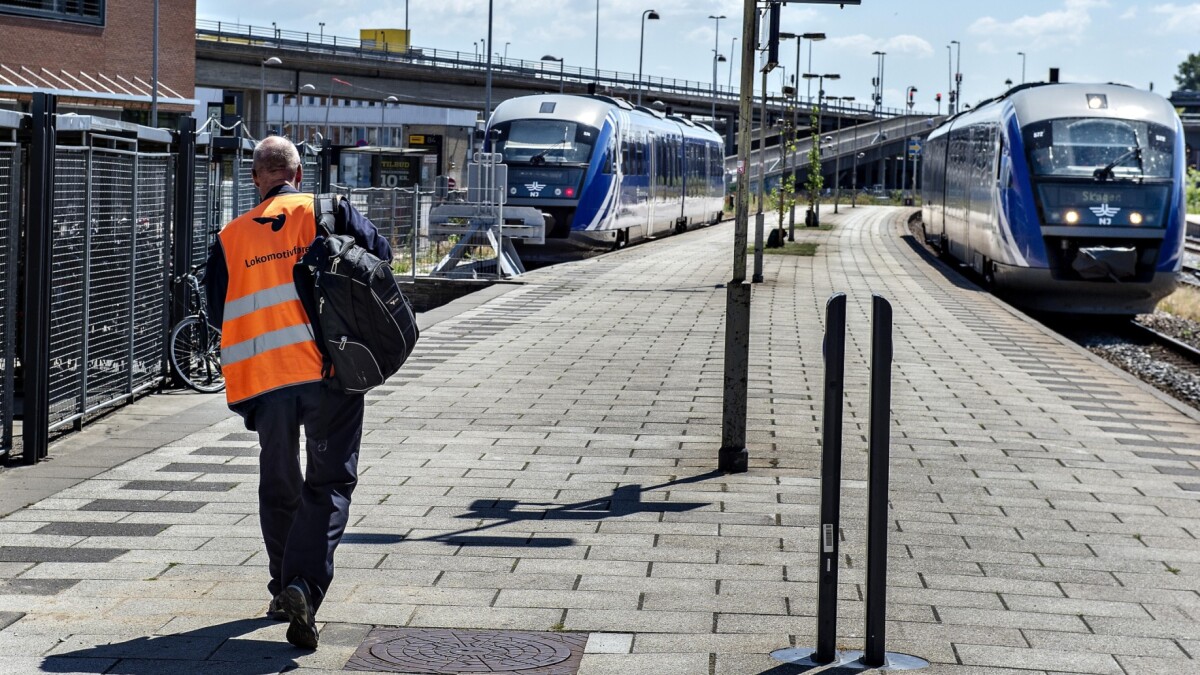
(258, 36)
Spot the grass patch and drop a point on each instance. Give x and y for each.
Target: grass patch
(1184, 303)
(806, 248)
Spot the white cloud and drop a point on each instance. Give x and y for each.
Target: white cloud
(899, 44)
(1066, 25)
(1129, 14)
(1179, 18)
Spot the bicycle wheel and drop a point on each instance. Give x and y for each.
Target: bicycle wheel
(196, 355)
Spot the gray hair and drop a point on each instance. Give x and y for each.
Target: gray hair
(275, 154)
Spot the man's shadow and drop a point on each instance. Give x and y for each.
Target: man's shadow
(208, 649)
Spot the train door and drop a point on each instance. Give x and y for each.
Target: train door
(653, 161)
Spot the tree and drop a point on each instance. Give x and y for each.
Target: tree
(815, 180)
(1188, 78)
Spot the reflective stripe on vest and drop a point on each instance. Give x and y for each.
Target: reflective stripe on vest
(266, 341)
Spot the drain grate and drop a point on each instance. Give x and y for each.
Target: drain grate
(442, 651)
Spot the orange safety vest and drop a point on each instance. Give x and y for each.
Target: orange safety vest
(266, 339)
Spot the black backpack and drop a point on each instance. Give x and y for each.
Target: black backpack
(363, 324)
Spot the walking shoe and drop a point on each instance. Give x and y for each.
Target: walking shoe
(275, 609)
(296, 602)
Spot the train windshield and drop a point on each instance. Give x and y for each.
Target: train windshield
(1100, 149)
(544, 142)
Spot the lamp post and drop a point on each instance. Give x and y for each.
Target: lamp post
(560, 70)
(732, 53)
(908, 98)
(506, 44)
(652, 16)
(262, 93)
(321, 35)
(1022, 55)
(812, 38)
(716, 57)
(957, 84)
(879, 80)
(487, 106)
(792, 152)
(305, 88)
(820, 118)
(837, 162)
(382, 111)
(596, 63)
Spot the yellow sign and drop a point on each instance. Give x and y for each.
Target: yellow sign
(416, 140)
(385, 39)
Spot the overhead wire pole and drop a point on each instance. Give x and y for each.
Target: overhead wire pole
(733, 456)
(487, 110)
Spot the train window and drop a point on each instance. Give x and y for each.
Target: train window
(539, 141)
(1079, 146)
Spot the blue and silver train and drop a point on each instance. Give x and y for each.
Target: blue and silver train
(605, 172)
(1062, 197)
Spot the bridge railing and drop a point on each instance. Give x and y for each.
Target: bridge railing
(552, 72)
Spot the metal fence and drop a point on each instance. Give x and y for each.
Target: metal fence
(402, 216)
(9, 210)
(107, 281)
(110, 212)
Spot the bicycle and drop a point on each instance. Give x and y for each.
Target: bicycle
(195, 346)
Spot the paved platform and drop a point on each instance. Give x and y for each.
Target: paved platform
(545, 463)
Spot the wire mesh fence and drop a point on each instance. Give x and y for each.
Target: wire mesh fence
(108, 290)
(202, 203)
(9, 170)
(402, 217)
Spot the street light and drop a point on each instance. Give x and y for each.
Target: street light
(653, 16)
(560, 70)
(382, 111)
(956, 84)
(322, 33)
(799, 38)
(262, 92)
(716, 57)
(909, 93)
(307, 87)
(732, 54)
(816, 221)
(879, 80)
(837, 161)
(506, 44)
(1022, 55)
(811, 37)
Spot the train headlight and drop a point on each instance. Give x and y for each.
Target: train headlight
(1135, 218)
(1072, 217)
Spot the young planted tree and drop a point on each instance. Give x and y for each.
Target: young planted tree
(815, 180)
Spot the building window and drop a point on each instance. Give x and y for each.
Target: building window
(79, 11)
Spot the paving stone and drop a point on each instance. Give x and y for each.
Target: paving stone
(102, 529)
(203, 467)
(178, 485)
(142, 505)
(51, 554)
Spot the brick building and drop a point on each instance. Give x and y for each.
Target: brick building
(97, 56)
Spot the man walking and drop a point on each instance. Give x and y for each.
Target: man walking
(273, 375)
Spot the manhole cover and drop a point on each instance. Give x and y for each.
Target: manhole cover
(435, 650)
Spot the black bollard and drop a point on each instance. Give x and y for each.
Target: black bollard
(874, 654)
(831, 478)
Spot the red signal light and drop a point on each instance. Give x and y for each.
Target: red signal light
(570, 192)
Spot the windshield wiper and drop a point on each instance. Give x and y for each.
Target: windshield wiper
(1106, 172)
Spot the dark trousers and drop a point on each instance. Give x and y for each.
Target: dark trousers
(303, 517)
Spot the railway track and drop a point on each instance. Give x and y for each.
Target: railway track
(1180, 353)
(1191, 261)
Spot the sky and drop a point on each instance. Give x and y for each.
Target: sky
(1139, 43)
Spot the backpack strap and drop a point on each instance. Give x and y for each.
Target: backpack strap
(325, 208)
